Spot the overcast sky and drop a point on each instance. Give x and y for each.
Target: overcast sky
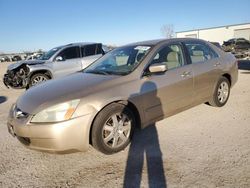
(44, 24)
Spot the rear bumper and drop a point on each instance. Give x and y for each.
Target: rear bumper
(63, 137)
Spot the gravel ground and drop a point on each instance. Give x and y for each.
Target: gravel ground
(201, 147)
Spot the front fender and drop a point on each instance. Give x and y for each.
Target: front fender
(40, 68)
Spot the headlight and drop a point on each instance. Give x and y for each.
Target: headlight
(59, 112)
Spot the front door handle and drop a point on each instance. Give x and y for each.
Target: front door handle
(185, 74)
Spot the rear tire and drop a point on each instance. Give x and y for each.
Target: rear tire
(113, 128)
(221, 93)
(37, 79)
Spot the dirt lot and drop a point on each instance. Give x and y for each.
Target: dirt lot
(201, 147)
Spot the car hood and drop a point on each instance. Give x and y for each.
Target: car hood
(26, 62)
(53, 92)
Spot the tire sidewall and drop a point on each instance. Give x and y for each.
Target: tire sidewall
(99, 122)
(216, 100)
(35, 75)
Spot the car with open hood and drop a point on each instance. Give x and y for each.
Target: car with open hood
(132, 86)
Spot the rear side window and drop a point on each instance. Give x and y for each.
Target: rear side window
(89, 50)
(70, 53)
(200, 52)
(99, 49)
(92, 49)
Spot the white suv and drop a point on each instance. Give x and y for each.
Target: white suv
(57, 62)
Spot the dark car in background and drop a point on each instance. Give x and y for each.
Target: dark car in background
(240, 47)
(16, 58)
(236, 44)
(217, 45)
(4, 59)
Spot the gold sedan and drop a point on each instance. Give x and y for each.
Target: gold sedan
(131, 86)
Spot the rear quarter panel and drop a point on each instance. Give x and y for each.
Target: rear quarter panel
(231, 67)
(229, 64)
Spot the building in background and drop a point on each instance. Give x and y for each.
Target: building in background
(218, 34)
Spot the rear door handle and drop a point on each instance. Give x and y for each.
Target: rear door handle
(185, 74)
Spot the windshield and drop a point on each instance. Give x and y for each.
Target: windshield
(120, 61)
(49, 54)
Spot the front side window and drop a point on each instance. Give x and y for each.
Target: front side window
(200, 52)
(70, 53)
(120, 61)
(172, 55)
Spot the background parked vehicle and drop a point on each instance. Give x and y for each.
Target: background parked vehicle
(107, 49)
(236, 44)
(217, 45)
(16, 58)
(134, 85)
(5, 59)
(240, 47)
(34, 56)
(57, 62)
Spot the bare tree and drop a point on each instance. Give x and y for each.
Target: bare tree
(167, 31)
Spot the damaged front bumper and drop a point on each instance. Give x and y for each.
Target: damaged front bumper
(17, 79)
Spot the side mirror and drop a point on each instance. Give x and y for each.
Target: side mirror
(158, 68)
(59, 58)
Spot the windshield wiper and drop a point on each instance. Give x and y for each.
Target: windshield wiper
(98, 72)
(119, 73)
(106, 72)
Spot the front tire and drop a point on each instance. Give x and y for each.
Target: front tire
(37, 79)
(113, 129)
(221, 93)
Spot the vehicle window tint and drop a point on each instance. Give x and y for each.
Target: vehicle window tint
(200, 52)
(70, 53)
(82, 51)
(99, 49)
(88, 50)
(172, 55)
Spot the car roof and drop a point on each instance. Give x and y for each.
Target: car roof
(158, 41)
(78, 44)
(146, 43)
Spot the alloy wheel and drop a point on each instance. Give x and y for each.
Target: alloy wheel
(116, 130)
(223, 91)
(38, 79)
